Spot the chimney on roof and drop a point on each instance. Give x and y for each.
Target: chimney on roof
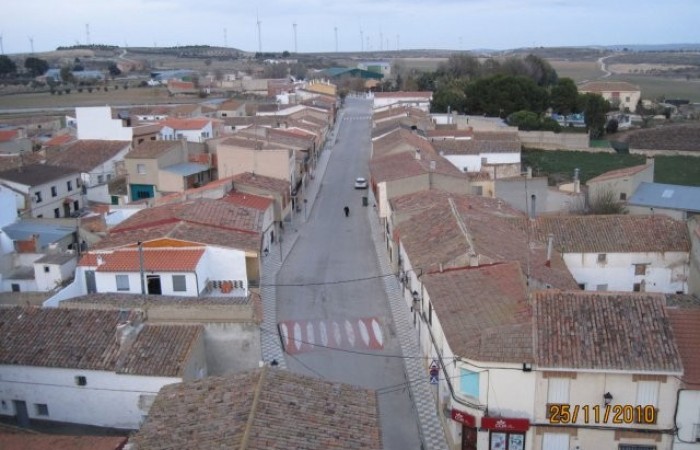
(432, 166)
(533, 206)
(126, 333)
(418, 154)
(550, 244)
(529, 173)
(440, 267)
(473, 259)
(100, 260)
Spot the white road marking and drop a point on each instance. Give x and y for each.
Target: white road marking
(297, 335)
(324, 333)
(350, 333)
(377, 331)
(364, 333)
(310, 333)
(336, 334)
(285, 334)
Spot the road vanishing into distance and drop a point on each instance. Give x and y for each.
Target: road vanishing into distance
(334, 328)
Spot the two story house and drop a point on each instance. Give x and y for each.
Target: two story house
(157, 167)
(45, 191)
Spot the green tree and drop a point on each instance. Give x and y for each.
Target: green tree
(67, 75)
(501, 95)
(460, 66)
(595, 107)
(524, 120)
(540, 70)
(564, 96)
(114, 70)
(452, 97)
(36, 66)
(612, 126)
(7, 66)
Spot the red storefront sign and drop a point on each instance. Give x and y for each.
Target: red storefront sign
(502, 424)
(463, 418)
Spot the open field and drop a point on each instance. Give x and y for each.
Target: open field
(560, 165)
(576, 70)
(655, 87)
(419, 64)
(120, 97)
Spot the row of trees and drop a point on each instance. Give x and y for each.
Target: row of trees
(35, 66)
(524, 86)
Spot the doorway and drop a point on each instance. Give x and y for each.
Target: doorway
(153, 284)
(469, 436)
(21, 414)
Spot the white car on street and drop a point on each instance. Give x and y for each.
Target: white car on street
(360, 183)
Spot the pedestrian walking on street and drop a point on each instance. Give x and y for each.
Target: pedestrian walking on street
(347, 211)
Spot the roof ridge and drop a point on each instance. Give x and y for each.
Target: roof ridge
(253, 408)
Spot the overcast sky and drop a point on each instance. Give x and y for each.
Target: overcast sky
(445, 24)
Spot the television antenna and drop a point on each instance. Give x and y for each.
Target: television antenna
(31, 43)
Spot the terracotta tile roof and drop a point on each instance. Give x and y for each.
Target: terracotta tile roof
(248, 200)
(267, 183)
(144, 130)
(484, 311)
(115, 301)
(8, 135)
(474, 146)
(86, 155)
(263, 409)
(405, 165)
(618, 173)
(85, 339)
(612, 233)
(36, 174)
(604, 331)
(159, 260)
(249, 142)
(608, 86)
(186, 124)
(185, 231)
(402, 140)
(231, 104)
(59, 140)
(684, 314)
(433, 236)
(404, 94)
(34, 441)
(152, 149)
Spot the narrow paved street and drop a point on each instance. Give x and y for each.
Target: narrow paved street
(332, 307)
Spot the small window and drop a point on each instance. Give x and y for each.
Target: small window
(47, 269)
(42, 409)
(602, 258)
(69, 185)
(179, 283)
(122, 282)
(15, 287)
(100, 179)
(623, 196)
(76, 205)
(54, 191)
(582, 286)
(37, 197)
(81, 380)
(141, 169)
(109, 176)
(56, 213)
(637, 287)
(469, 383)
(601, 287)
(640, 269)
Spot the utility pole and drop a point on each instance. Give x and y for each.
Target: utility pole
(336, 39)
(143, 282)
(31, 43)
(296, 50)
(259, 35)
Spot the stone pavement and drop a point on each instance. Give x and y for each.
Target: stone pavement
(430, 428)
(270, 343)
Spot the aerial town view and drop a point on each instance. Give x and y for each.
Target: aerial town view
(416, 225)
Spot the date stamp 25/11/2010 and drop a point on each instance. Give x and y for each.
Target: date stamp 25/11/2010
(564, 413)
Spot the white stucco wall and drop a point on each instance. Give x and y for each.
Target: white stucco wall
(200, 135)
(46, 281)
(473, 162)
(108, 399)
(223, 264)
(96, 123)
(666, 272)
(687, 419)
(107, 282)
(8, 210)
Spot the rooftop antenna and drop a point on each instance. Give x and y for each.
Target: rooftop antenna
(294, 25)
(259, 35)
(362, 40)
(225, 39)
(87, 34)
(31, 43)
(336, 39)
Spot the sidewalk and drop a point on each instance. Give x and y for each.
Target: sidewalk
(430, 428)
(270, 344)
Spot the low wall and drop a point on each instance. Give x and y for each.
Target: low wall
(657, 152)
(548, 140)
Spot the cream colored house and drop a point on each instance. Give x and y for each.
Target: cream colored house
(240, 155)
(620, 94)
